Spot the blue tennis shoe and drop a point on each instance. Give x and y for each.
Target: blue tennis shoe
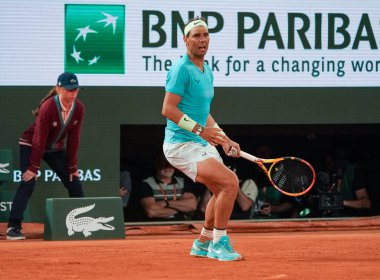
(223, 251)
(200, 249)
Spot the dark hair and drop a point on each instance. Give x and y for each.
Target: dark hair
(194, 19)
(51, 93)
(161, 162)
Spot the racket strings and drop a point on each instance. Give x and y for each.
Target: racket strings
(292, 175)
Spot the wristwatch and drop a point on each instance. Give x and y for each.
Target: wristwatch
(199, 130)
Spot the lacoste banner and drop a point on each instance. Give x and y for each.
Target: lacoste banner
(271, 43)
(84, 218)
(94, 39)
(6, 165)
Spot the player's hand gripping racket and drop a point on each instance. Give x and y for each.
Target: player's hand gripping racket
(290, 175)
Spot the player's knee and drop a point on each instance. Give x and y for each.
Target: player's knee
(232, 183)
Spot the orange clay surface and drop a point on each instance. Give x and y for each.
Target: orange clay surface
(343, 254)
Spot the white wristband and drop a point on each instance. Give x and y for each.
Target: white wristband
(187, 123)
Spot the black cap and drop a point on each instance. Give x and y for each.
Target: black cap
(68, 80)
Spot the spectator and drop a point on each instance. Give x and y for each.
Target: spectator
(349, 181)
(355, 197)
(270, 203)
(165, 196)
(369, 169)
(125, 187)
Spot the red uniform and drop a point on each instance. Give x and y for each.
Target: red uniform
(49, 132)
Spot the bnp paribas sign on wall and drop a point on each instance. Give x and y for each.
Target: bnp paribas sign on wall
(254, 43)
(94, 39)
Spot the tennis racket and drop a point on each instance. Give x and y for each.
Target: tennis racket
(290, 175)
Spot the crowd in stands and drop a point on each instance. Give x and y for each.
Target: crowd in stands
(343, 189)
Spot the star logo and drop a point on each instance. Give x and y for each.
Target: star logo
(83, 32)
(94, 60)
(94, 39)
(76, 55)
(109, 20)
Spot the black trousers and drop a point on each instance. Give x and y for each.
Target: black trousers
(57, 161)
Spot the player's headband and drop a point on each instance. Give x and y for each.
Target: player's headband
(193, 24)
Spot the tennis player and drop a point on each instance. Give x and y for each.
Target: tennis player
(58, 120)
(191, 135)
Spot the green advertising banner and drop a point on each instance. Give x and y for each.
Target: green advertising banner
(6, 164)
(6, 198)
(94, 39)
(84, 218)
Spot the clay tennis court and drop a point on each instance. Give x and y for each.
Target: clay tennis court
(334, 249)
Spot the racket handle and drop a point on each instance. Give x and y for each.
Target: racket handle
(249, 157)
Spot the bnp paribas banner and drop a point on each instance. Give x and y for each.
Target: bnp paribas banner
(134, 43)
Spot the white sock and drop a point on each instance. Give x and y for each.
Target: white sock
(218, 233)
(207, 233)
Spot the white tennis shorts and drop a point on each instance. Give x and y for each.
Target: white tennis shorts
(184, 156)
